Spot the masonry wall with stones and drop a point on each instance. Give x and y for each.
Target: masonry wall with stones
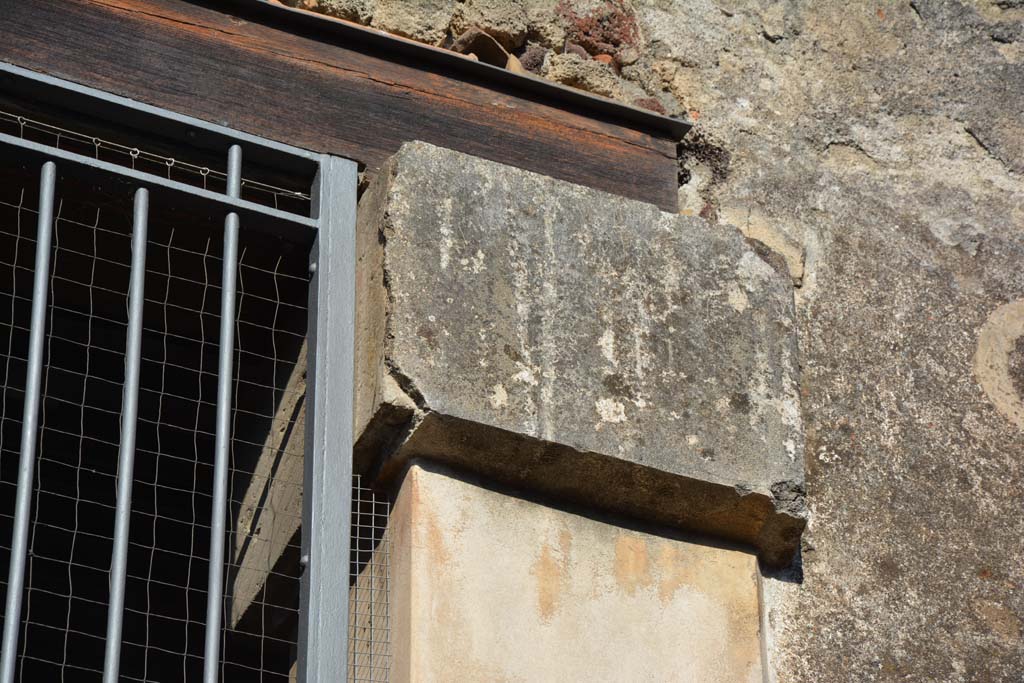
(878, 148)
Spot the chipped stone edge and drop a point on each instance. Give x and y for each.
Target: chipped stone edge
(394, 425)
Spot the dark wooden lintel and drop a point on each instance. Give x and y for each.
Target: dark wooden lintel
(303, 84)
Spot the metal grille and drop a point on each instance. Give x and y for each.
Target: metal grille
(165, 503)
(149, 161)
(74, 498)
(70, 536)
(266, 461)
(15, 296)
(369, 629)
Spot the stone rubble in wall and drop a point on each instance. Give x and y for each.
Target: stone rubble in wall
(592, 45)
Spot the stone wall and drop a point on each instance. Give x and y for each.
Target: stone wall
(543, 339)
(487, 586)
(878, 147)
(575, 343)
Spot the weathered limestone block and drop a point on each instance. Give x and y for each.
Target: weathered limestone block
(586, 346)
(490, 587)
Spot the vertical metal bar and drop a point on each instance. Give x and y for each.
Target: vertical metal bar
(29, 424)
(126, 453)
(234, 188)
(327, 480)
(215, 583)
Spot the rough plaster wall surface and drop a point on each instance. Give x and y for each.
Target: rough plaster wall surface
(877, 145)
(491, 587)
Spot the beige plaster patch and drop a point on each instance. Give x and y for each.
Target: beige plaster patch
(491, 587)
(992, 359)
(632, 566)
(755, 225)
(551, 572)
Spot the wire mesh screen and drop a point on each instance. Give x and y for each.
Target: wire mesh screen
(124, 186)
(65, 605)
(266, 459)
(15, 293)
(161, 163)
(64, 614)
(369, 609)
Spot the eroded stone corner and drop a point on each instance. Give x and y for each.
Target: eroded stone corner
(386, 401)
(578, 344)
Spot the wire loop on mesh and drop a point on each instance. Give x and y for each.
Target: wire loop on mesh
(272, 192)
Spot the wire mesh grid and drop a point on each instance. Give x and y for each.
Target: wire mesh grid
(74, 494)
(14, 347)
(17, 254)
(148, 161)
(369, 631)
(268, 428)
(70, 534)
(64, 613)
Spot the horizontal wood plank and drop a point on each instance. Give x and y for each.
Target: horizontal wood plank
(306, 89)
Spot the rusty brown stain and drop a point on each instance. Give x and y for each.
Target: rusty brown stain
(674, 572)
(551, 570)
(632, 565)
(1003, 623)
(547, 573)
(427, 527)
(744, 610)
(722, 579)
(435, 540)
(565, 542)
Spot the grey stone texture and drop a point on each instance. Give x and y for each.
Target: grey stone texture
(879, 148)
(592, 347)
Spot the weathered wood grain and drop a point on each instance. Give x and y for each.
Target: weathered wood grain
(305, 88)
(270, 509)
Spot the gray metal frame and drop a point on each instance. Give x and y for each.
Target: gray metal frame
(326, 516)
(323, 640)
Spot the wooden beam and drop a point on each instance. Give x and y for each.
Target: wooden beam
(312, 89)
(270, 511)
